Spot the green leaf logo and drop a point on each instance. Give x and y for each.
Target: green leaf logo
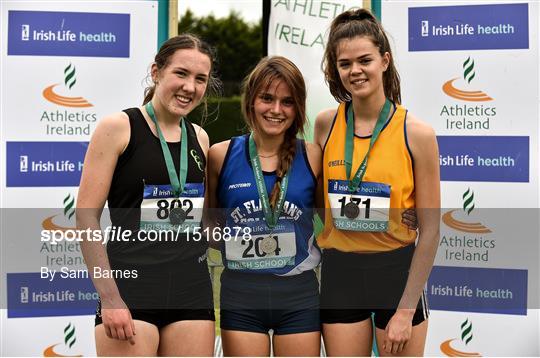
(468, 201)
(69, 73)
(468, 68)
(69, 206)
(466, 331)
(69, 335)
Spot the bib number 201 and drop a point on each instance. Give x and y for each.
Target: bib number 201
(253, 248)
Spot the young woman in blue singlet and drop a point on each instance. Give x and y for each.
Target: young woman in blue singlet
(266, 181)
(373, 265)
(148, 163)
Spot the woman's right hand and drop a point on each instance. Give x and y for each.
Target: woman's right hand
(117, 321)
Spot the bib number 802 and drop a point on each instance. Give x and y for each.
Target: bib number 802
(165, 207)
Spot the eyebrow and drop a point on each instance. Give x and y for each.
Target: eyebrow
(359, 57)
(188, 71)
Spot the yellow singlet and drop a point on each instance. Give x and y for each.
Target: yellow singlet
(390, 162)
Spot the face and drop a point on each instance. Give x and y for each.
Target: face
(181, 85)
(274, 109)
(361, 66)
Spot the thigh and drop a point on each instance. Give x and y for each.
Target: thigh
(146, 341)
(242, 344)
(187, 338)
(297, 345)
(415, 346)
(348, 339)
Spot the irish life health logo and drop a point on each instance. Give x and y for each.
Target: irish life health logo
(69, 82)
(449, 349)
(63, 349)
(469, 74)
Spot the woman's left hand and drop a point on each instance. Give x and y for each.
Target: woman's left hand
(398, 331)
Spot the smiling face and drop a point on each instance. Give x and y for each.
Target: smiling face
(361, 67)
(274, 109)
(181, 84)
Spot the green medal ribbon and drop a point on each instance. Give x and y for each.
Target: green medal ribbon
(271, 217)
(177, 182)
(355, 182)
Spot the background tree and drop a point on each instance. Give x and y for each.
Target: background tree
(238, 44)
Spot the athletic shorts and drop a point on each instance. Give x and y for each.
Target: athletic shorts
(356, 286)
(164, 296)
(260, 302)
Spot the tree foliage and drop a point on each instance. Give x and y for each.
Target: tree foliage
(238, 44)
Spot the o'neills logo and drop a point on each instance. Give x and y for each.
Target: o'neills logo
(69, 211)
(448, 347)
(69, 341)
(468, 207)
(69, 81)
(468, 74)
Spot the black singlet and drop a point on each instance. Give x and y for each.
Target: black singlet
(142, 163)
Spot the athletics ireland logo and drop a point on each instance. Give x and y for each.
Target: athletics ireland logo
(69, 211)
(466, 226)
(69, 341)
(69, 81)
(466, 337)
(465, 95)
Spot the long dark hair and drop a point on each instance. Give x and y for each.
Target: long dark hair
(352, 23)
(268, 70)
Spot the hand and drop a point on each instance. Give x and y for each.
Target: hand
(117, 321)
(398, 331)
(409, 218)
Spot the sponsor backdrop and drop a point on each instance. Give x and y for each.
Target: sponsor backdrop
(63, 67)
(478, 65)
(470, 69)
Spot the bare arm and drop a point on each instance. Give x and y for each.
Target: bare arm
(216, 156)
(425, 151)
(314, 155)
(323, 125)
(108, 142)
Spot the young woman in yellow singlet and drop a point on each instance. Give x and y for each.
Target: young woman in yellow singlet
(378, 161)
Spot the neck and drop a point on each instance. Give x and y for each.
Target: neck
(267, 145)
(368, 109)
(163, 116)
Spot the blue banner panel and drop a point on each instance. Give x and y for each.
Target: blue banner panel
(484, 290)
(31, 294)
(37, 164)
(470, 27)
(484, 158)
(85, 34)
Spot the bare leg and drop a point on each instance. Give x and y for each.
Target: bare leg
(348, 339)
(242, 344)
(297, 345)
(146, 342)
(415, 346)
(187, 338)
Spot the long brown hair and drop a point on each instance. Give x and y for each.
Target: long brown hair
(268, 70)
(183, 42)
(350, 24)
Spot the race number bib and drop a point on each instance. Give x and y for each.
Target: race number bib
(265, 249)
(159, 203)
(366, 210)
